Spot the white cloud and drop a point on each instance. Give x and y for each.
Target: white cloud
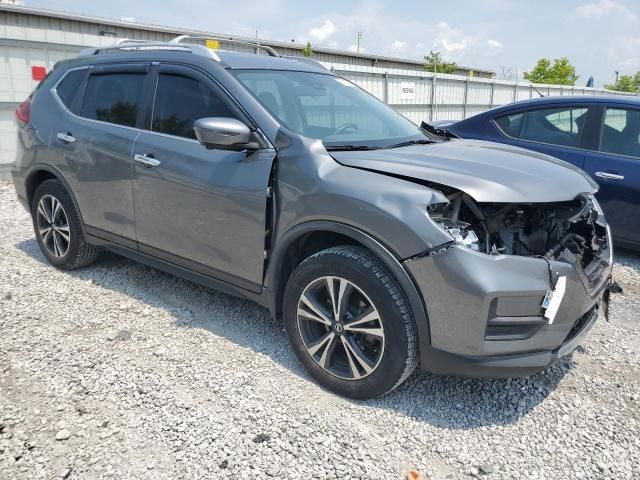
(452, 42)
(323, 32)
(494, 47)
(398, 45)
(625, 52)
(602, 8)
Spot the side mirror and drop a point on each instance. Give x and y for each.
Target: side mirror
(223, 133)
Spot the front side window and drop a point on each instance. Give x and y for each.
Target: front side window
(557, 126)
(180, 101)
(329, 108)
(113, 97)
(621, 132)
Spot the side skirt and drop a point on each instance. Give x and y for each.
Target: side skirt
(264, 298)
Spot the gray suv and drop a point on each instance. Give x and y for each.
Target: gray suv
(381, 247)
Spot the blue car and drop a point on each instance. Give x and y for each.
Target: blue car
(601, 135)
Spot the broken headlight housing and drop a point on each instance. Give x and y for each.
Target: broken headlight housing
(460, 232)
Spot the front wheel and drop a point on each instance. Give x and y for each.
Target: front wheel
(349, 323)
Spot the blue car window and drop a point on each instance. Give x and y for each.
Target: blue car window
(555, 126)
(511, 124)
(621, 132)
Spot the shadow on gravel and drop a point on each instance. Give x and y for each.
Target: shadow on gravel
(441, 401)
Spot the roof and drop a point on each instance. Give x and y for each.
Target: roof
(579, 99)
(569, 99)
(177, 30)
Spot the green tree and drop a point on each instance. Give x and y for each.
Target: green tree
(434, 63)
(560, 72)
(626, 83)
(307, 51)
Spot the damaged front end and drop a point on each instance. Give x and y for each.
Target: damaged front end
(518, 286)
(574, 232)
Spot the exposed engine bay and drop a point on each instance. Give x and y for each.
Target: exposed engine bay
(569, 230)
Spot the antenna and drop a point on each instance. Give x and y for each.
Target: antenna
(537, 91)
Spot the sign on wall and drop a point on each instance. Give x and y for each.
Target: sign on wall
(407, 91)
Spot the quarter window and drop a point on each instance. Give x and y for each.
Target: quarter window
(621, 132)
(113, 97)
(556, 126)
(180, 101)
(69, 86)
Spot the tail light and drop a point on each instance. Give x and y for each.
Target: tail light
(23, 112)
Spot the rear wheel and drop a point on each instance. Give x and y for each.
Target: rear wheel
(349, 323)
(57, 227)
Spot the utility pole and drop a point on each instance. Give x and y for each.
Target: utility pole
(358, 42)
(617, 75)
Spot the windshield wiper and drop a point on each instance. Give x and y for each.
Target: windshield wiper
(336, 148)
(411, 142)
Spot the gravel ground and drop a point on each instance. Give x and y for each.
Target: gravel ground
(122, 371)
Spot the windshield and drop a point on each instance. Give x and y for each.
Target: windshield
(329, 108)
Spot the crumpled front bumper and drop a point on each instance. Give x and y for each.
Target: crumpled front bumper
(486, 316)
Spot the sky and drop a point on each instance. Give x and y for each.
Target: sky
(507, 36)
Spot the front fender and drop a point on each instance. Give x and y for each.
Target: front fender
(312, 186)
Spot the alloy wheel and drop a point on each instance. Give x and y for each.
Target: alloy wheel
(341, 328)
(53, 226)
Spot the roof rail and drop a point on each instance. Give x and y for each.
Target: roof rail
(143, 45)
(308, 61)
(270, 51)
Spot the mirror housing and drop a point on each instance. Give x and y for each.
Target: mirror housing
(223, 133)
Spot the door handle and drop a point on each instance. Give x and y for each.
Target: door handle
(609, 176)
(147, 160)
(66, 137)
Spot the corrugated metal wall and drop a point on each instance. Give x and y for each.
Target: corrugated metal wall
(445, 97)
(35, 40)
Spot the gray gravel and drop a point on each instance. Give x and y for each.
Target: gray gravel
(122, 371)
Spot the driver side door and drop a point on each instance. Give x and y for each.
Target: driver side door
(203, 209)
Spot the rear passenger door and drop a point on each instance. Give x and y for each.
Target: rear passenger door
(616, 167)
(96, 141)
(204, 209)
(556, 130)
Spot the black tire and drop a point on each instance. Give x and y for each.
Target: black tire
(77, 252)
(364, 271)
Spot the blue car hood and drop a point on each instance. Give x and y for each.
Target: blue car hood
(487, 171)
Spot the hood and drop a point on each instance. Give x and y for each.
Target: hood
(488, 172)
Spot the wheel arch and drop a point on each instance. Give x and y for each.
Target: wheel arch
(310, 237)
(38, 174)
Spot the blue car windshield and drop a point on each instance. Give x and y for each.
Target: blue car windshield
(329, 108)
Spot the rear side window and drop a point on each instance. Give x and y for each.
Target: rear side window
(557, 126)
(68, 88)
(621, 132)
(511, 124)
(113, 98)
(180, 101)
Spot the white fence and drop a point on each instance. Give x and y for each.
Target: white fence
(426, 96)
